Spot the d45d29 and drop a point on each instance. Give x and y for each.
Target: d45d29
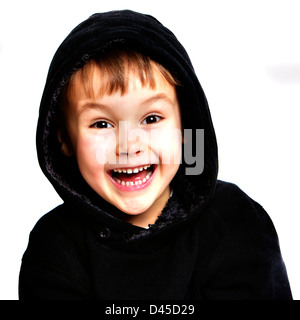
(171, 309)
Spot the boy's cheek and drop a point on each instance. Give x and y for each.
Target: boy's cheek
(168, 143)
(97, 149)
(105, 148)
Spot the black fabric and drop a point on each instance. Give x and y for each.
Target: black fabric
(211, 241)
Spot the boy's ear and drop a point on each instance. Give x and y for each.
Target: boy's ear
(66, 148)
(183, 137)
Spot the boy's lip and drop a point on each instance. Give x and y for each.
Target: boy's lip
(134, 185)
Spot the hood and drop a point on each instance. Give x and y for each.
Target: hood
(143, 33)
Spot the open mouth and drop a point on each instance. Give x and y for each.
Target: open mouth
(133, 177)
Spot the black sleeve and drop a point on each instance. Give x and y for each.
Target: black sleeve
(51, 265)
(38, 282)
(248, 264)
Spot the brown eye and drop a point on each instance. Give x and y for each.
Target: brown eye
(151, 119)
(101, 125)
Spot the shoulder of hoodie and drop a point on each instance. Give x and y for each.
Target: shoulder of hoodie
(52, 239)
(59, 221)
(244, 231)
(237, 212)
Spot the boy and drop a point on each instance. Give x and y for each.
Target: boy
(138, 221)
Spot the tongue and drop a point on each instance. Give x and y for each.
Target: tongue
(130, 177)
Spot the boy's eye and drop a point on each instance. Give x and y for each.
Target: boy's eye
(151, 119)
(101, 125)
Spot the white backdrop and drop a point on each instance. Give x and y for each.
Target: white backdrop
(247, 57)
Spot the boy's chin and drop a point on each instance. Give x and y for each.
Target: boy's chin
(134, 210)
(139, 214)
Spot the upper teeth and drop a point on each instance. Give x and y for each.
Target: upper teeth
(132, 170)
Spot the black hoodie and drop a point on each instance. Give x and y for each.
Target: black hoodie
(211, 241)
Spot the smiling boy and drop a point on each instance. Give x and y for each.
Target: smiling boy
(95, 117)
(120, 94)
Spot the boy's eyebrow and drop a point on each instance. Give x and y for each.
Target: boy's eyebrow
(92, 105)
(149, 101)
(159, 96)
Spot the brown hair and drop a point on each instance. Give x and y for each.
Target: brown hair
(113, 69)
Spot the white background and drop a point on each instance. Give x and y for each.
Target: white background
(247, 57)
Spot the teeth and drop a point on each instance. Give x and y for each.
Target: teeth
(130, 171)
(137, 182)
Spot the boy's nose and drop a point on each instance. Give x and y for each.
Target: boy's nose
(131, 141)
(128, 147)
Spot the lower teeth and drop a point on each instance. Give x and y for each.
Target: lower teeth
(135, 183)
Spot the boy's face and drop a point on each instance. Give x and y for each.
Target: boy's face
(128, 147)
